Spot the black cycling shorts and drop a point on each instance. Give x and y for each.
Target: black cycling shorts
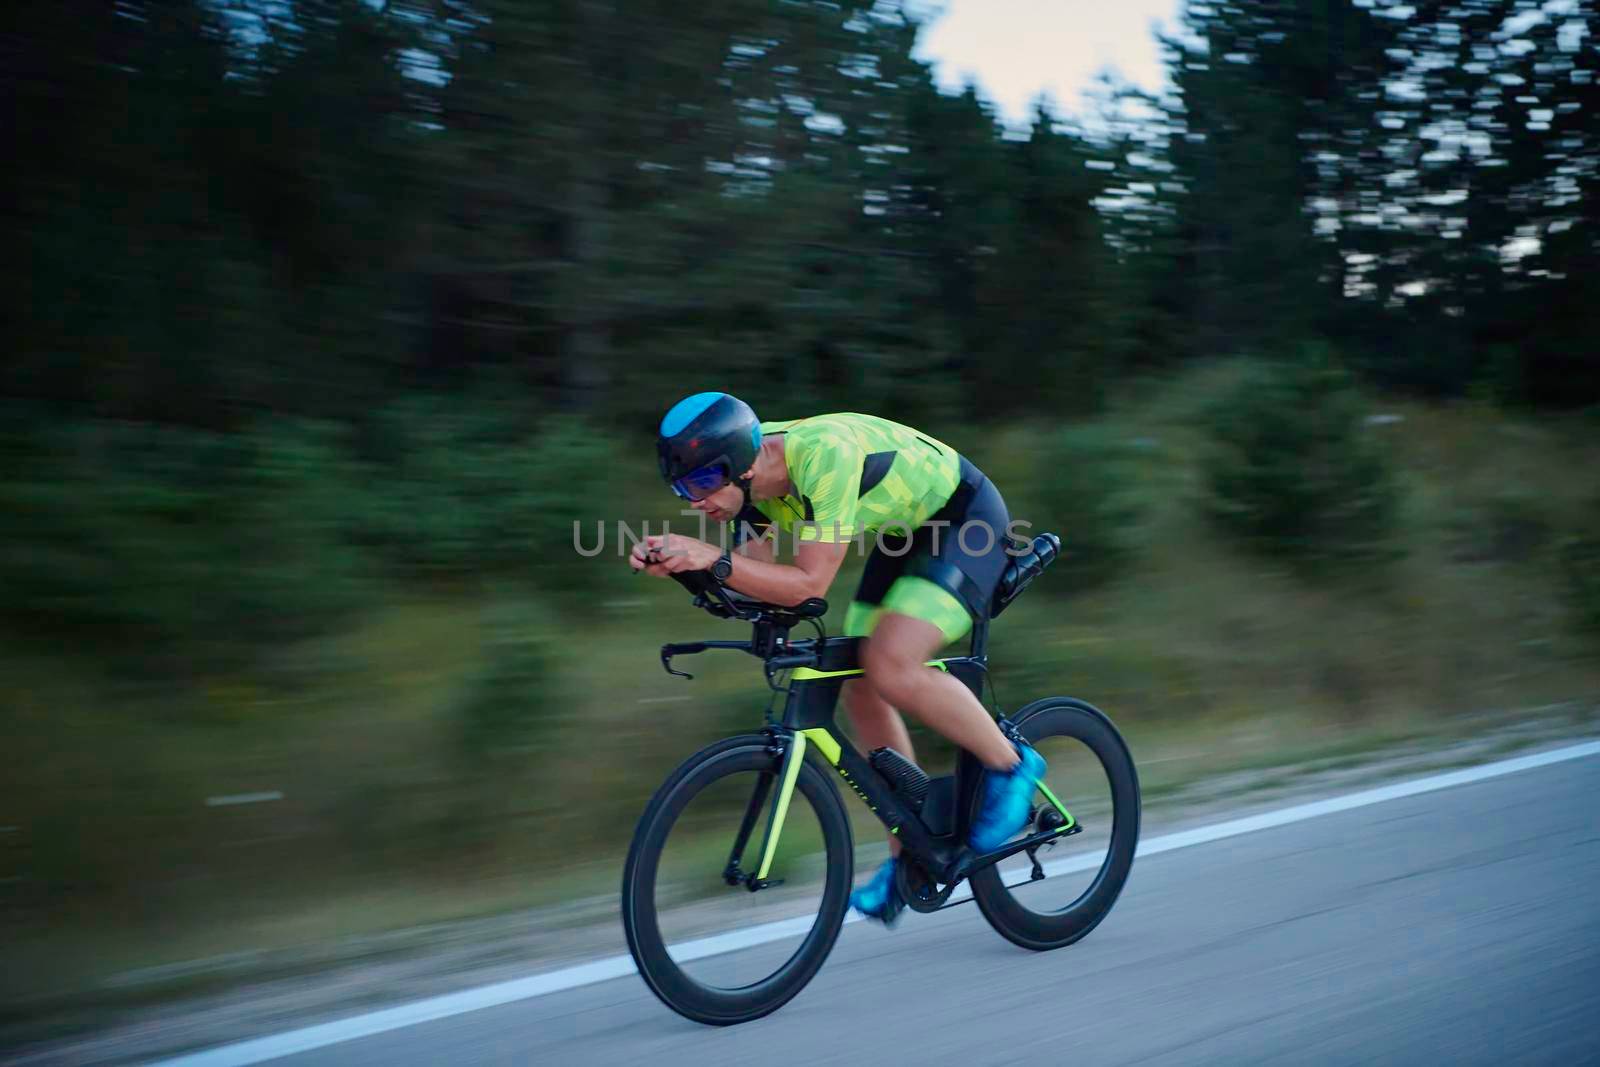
(945, 574)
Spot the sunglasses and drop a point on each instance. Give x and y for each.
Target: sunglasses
(701, 482)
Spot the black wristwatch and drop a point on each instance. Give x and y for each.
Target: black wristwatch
(723, 567)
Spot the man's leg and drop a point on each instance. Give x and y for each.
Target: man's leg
(895, 659)
(877, 725)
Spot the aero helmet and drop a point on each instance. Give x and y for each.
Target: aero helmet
(706, 441)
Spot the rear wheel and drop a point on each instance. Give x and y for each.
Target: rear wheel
(1092, 773)
(706, 825)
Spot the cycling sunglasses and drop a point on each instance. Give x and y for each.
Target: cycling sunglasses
(702, 481)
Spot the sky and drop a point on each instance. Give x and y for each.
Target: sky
(1017, 49)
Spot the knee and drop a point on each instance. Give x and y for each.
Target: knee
(890, 675)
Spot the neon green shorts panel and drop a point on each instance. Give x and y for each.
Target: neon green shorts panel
(916, 597)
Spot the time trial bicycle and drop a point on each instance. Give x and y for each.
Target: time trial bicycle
(691, 851)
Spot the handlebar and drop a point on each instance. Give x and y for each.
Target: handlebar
(772, 623)
(726, 603)
(773, 663)
(711, 595)
(694, 581)
(690, 648)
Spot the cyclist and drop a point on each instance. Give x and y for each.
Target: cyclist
(940, 527)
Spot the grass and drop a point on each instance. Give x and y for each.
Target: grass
(1212, 662)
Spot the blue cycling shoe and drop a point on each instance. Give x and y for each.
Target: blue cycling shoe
(880, 898)
(1007, 801)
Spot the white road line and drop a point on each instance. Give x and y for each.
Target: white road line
(291, 1042)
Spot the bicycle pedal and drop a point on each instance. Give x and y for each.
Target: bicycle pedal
(757, 884)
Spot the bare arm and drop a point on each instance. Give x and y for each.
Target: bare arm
(810, 575)
(756, 573)
(761, 548)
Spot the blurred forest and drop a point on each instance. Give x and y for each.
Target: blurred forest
(301, 283)
(320, 305)
(227, 210)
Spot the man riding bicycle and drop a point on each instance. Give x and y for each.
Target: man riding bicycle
(941, 530)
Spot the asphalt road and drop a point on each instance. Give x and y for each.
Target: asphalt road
(1455, 927)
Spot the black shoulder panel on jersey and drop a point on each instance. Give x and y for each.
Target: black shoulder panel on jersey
(874, 469)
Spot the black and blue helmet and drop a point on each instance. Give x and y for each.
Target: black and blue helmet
(706, 441)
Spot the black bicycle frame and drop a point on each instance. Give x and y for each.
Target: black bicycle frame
(936, 835)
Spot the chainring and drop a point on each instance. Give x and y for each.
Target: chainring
(918, 887)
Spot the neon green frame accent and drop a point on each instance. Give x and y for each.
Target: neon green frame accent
(1051, 797)
(825, 743)
(791, 772)
(804, 674)
(807, 674)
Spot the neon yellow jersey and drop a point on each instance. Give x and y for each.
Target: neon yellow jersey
(854, 474)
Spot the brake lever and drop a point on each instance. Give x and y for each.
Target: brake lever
(668, 651)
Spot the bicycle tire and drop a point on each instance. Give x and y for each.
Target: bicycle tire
(1040, 931)
(670, 982)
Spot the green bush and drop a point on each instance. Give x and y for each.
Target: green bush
(466, 490)
(1085, 488)
(516, 699)
(1294, 470)
(299, 567)
(195, 550)
(176, 544)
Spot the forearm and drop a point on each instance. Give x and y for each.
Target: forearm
(776, 583)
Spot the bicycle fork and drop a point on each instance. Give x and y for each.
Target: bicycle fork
(794, 754)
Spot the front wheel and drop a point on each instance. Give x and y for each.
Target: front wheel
(706, 827)
(1092, 774)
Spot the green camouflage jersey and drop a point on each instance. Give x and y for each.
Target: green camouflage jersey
(854, 474)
